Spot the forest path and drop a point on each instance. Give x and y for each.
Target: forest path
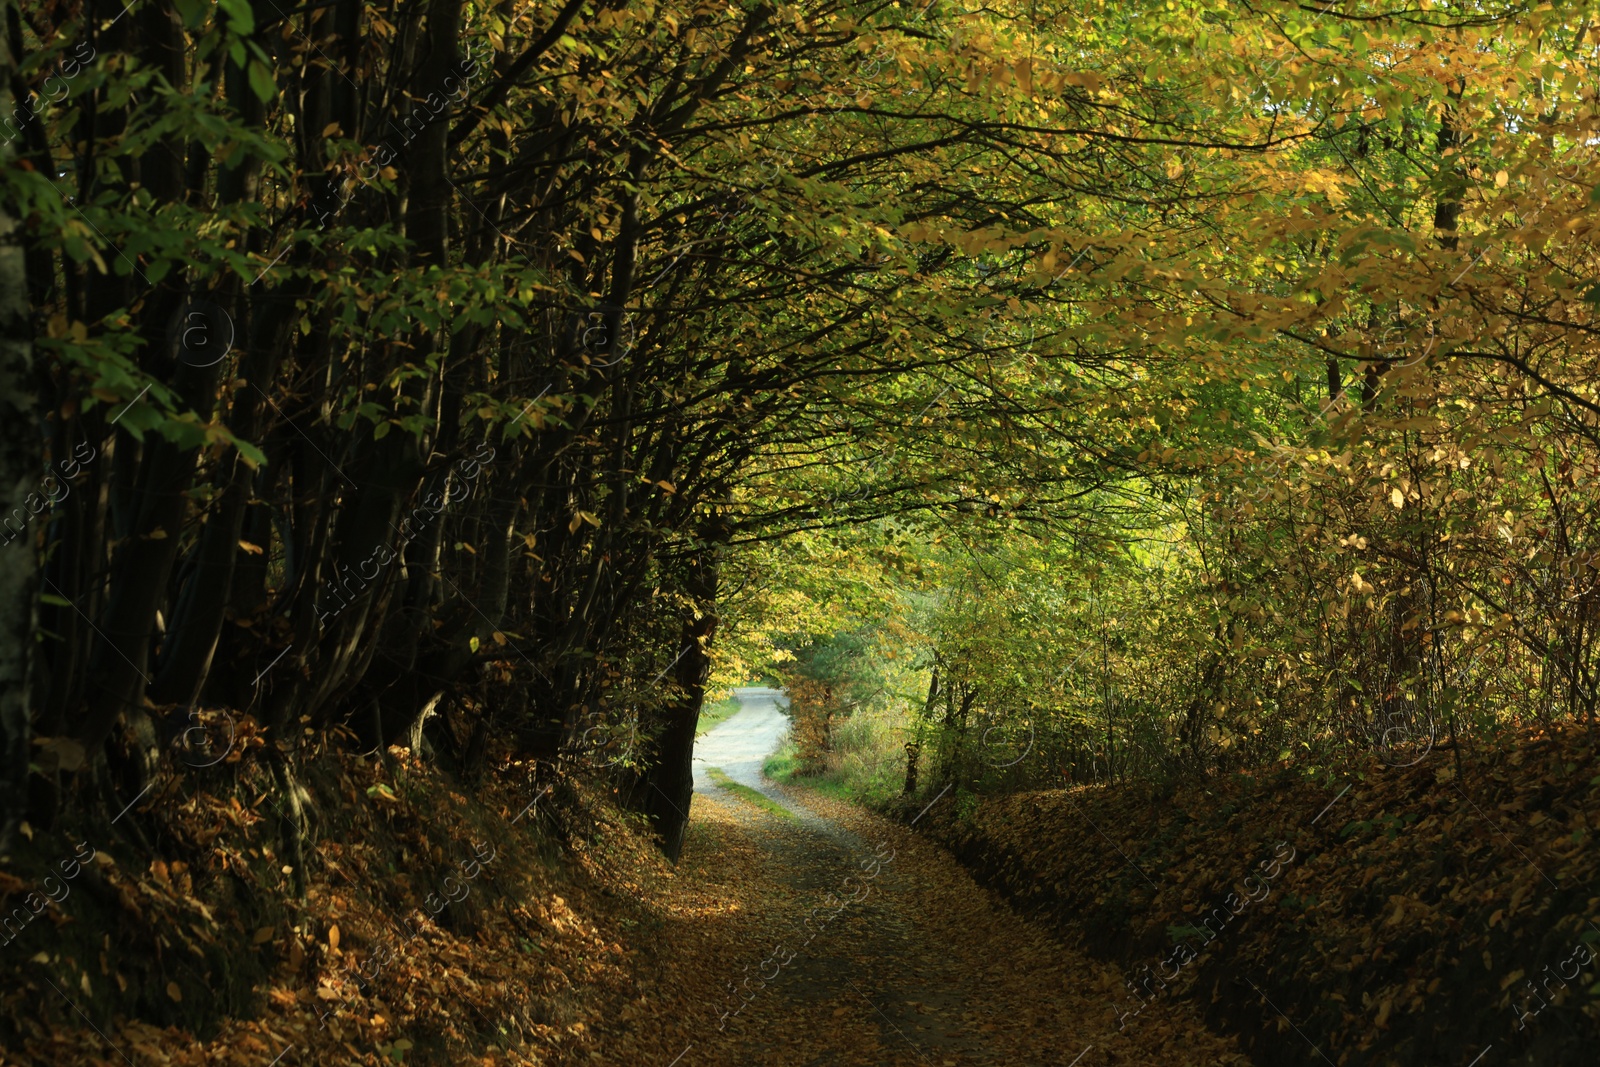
(817, 934)
(741, 743)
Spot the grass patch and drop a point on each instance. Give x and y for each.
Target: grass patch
(713, 712)
(785, 766)
(748, 795)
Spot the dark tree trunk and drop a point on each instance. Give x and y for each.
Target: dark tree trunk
(668, 785)
(914, 748)
(20, 467)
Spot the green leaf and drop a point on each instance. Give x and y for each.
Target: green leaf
(192, 12)
(253, 456)
(241, 18)
(261, 81)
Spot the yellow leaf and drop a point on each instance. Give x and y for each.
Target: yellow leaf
(1397, 498)
(263, 935)
(173, 991)
(1500, 179)
(1174, 167)
(330, 130)
(333, 937)
(254, 550)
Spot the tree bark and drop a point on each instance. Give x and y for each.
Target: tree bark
(669, 784)
(20, 464)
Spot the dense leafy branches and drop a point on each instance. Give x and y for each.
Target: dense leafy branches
(424, 369)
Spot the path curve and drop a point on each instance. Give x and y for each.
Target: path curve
(740, 744)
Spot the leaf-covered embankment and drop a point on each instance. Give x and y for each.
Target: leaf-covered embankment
(435, 927)
(1410, 915)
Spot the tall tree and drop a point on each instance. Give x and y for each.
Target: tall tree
(21, 471)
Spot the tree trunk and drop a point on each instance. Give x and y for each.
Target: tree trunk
(669, 784)
(20, 465)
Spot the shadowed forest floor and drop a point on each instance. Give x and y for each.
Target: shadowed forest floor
(853, 939)
(923, 967)
(802, 931)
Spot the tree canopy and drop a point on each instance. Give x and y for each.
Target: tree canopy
(436, 372)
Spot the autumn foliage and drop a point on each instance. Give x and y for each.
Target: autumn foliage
(1188, 387)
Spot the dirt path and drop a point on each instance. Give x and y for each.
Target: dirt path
(827, 936)
(738, 745)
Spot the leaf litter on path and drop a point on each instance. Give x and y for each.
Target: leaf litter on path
(847, 939)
